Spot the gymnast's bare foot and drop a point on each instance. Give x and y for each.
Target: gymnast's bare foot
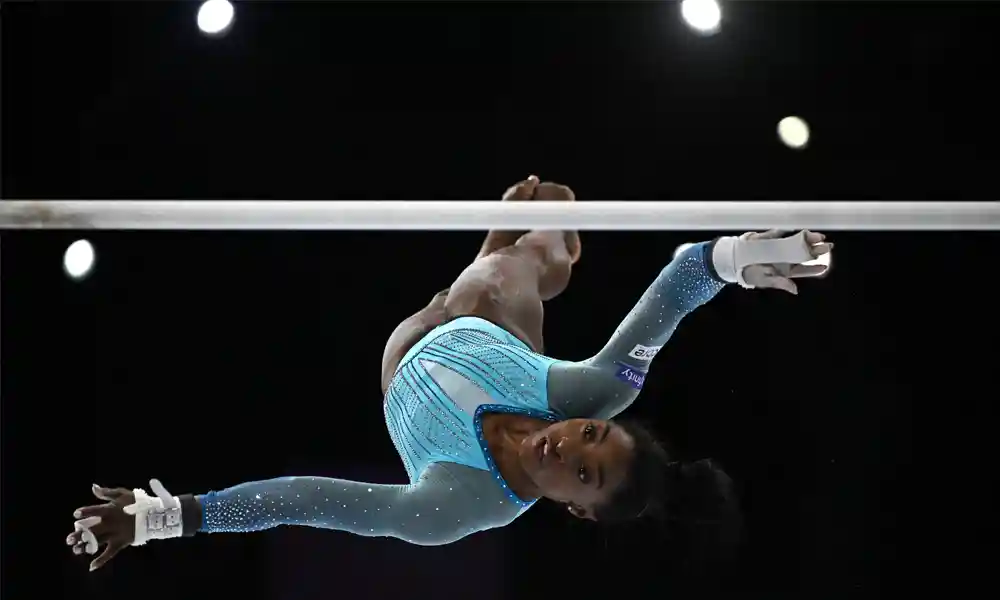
(554, 192)
(522, 190)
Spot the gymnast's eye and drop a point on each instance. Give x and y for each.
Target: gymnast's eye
(584, 477)
(589, 431)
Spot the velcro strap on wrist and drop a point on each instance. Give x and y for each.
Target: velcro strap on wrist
(156, 517)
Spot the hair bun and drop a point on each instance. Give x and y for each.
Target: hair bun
(703, 500)
(701, 490)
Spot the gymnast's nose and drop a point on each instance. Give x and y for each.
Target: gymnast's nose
(558, 449)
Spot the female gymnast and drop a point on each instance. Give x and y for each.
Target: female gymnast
(484, 422)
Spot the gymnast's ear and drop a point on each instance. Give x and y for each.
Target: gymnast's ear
(579, 512)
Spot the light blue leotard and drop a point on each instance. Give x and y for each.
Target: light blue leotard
(434, 408)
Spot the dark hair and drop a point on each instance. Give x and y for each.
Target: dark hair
(698, 497)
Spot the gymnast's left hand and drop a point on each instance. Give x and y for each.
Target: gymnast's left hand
(780, 276)
(105, 525)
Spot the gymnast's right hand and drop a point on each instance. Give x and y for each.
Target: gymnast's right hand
(105, 525)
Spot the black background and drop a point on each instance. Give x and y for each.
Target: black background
(856, 418)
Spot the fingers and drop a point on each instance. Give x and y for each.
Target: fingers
(89, 541)
(87, 523)
(162, 493)
(813, 237)
(815, 240)
(819, 250)
(81, 547)
(783, 283)
(85, 539)
(108, 494)
(109, 552)
(90, 533)
(74, 538)
(807, 270)
(77, 541)
(88, 511)
(523, 190)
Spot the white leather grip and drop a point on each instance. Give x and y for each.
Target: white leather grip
(156, 518)
(790, 250)
(731, 254)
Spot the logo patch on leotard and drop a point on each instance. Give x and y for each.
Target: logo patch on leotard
(630, 375)
(644, 353)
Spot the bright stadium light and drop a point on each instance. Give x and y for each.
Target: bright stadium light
(78, 259)
(215, 16)
(793, 132)
(704, 16)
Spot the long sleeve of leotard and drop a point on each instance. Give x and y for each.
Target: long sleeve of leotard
(447, 503)
(608, 383)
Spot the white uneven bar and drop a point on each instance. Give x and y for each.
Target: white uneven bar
(482, 215)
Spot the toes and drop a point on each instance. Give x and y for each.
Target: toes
(554, 192)
(523, 190)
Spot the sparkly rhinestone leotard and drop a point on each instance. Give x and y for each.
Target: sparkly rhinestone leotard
(434, 408)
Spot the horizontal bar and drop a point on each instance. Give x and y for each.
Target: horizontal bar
(482, 215)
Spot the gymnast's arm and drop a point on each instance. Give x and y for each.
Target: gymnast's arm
(436, 510)
(605, 385)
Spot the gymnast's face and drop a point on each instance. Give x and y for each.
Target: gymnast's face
(579, 462)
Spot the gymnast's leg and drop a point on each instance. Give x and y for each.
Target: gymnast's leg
(409, 332)
(511, 276)
(509, 285)
(496, 238)
(415, 327)
(531, 189)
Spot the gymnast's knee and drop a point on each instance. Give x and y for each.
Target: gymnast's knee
(552, 261)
